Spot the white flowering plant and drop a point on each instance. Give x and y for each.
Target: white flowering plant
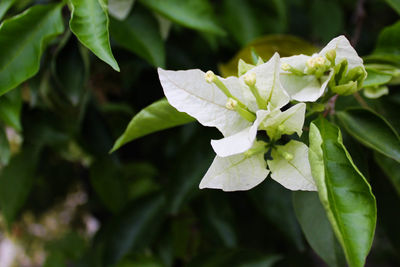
(278, 119)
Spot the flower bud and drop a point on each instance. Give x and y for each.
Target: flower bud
(286, 67)
(250, 79)
(210, 76)
(287, 156)
(231, 104)
(331, 56)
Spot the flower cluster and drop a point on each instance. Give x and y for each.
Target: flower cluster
(262, 98)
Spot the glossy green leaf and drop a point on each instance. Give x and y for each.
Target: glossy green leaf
(194, 14)
(395, 4)
(89, 22)
(316, 228)
(5, 152)
(139, 33)
(16, 180)
(134, 228)
(371, 130)
(158, 116)
(10, 109)
(22, 46)
(4, 6)
(265, 47)
(343, 191)
(391, 169)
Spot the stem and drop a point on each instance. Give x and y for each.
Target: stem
(360, 100)
(331, 105)
(359, 16)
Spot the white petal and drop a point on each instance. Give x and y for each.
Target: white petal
(292, 120)
(294, 174)
(298, 62)
(305, 88)
(344, 50)
(235, 173)
(268, 83)
(189, 92)
(241, 141)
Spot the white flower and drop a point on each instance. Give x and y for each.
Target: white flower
(238, 108)
(305, 78)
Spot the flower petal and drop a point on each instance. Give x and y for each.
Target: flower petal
(268, 84)
(292, 121)
(235, 173)
(241, 141)
(295, 173)
(189, 92)
(344, 50)
(305, 88)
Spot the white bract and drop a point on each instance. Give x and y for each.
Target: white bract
(306, 78)
(239, 107)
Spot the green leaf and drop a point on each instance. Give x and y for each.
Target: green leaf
(89, 22)
(22, 46)
(16, 180)
(158, 116)
(395, 4)
(344, 192)
(4, 6)
(10, 109)
(388, 41)
(375, 78)
(140, 34)
(372, 130)
(391, 169)
(194, 14)
(265, 47)
(134, 228)
(241, 21)
(316, 228)
(5, 152)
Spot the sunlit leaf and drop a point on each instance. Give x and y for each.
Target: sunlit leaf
(120, 8)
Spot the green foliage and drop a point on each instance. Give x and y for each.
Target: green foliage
(194, 14)
(343, 191)
(89, 22)
(158, 116)
(139, 33)
(63, 195)
(371, 130)
(22, 46)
